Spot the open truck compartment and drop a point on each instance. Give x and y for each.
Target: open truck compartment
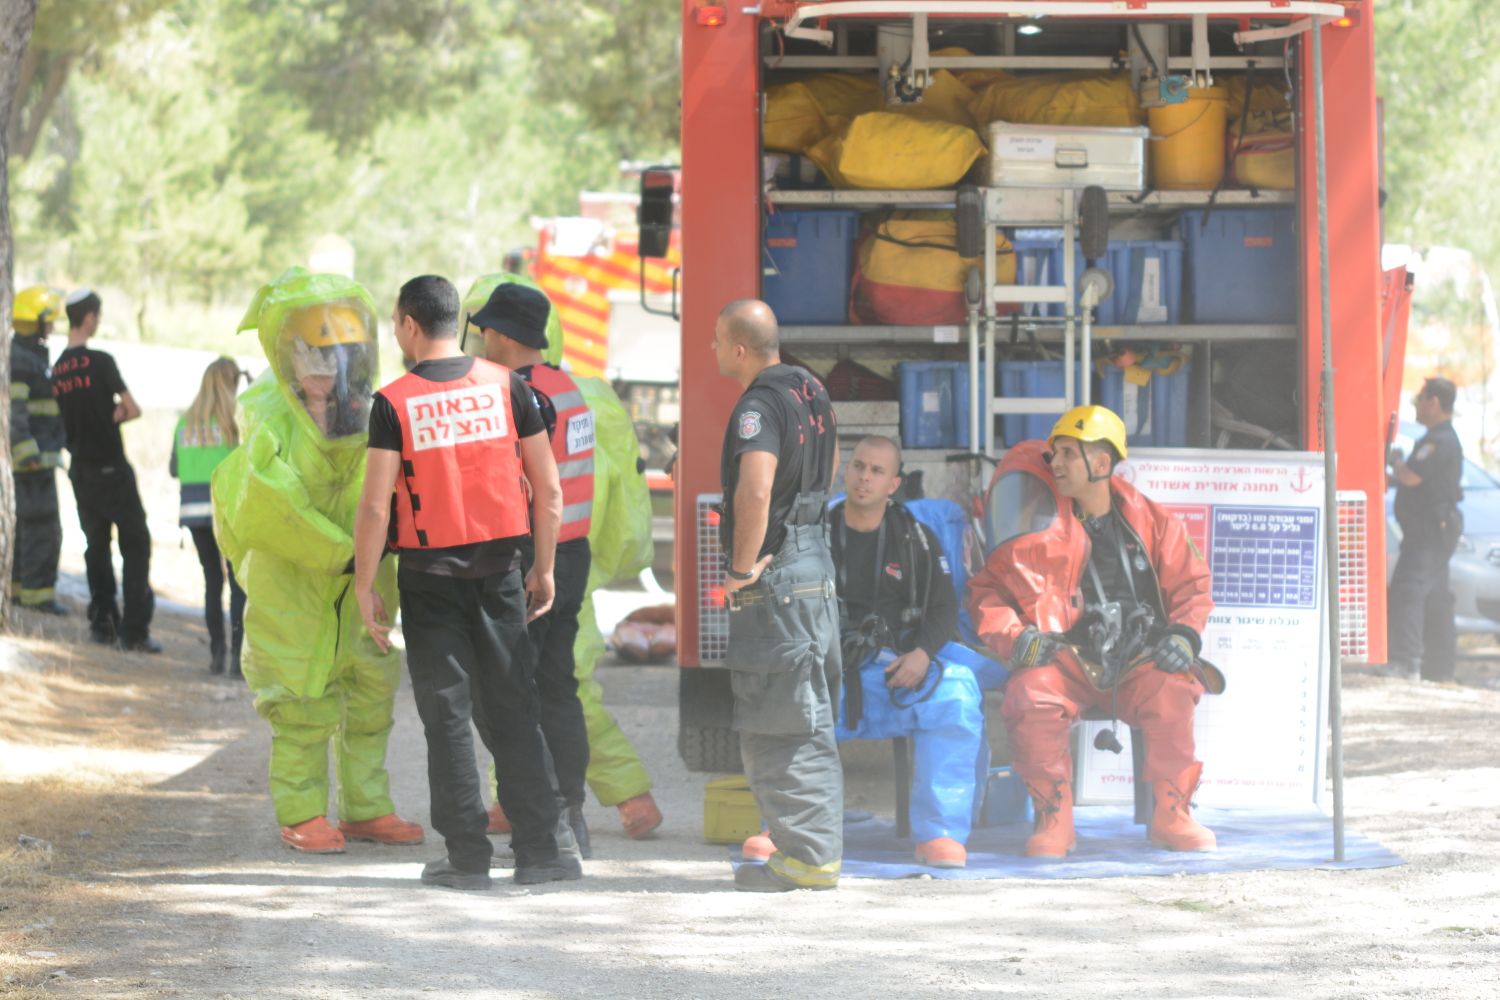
(971, 216)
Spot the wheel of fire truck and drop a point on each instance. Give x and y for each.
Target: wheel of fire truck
(709, 748)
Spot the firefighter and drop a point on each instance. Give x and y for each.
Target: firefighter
(283, 506)
(779, 458)
(36, 442)
(1097, 598)
(1423, 638)
(461, 444)
(620, 547)
(514, 324)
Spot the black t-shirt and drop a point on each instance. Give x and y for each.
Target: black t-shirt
(86, 383)
(1438, 458)
(1114, 553)
(909, 576)
(786, 412)
(543, 403)
(481, 558)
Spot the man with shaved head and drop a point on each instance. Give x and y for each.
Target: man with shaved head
(780, 456)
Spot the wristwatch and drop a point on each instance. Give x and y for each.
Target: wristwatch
(734, 574)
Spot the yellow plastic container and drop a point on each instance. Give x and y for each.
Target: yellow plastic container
(729, 812)
(1187, 141)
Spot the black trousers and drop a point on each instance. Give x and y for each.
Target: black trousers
(38, 537)
(215, 571)
(108, 501)
(466, 635)
(1419, 613)
(553, 635)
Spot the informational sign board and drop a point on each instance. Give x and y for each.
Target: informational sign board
(1257, 517)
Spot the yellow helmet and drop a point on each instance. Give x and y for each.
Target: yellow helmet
(35, 305)
(1092, 423)
(327, 325)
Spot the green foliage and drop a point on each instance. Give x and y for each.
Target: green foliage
(1439, 122)
(190, 149)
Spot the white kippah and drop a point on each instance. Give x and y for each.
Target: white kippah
(78, 295)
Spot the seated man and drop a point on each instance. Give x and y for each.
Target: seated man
(903, 673)
(1097, 597)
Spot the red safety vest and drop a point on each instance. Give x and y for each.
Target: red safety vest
(572, 446)
(461, 477)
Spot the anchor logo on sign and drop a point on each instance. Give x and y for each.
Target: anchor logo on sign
(1301, 482)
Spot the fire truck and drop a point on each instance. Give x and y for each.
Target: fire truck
(1258, 375)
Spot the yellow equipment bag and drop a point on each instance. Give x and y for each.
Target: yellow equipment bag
(1267, 158)
(910, 274)
(800, 113)
(947, 98)
(1103, 101)
(891, 150)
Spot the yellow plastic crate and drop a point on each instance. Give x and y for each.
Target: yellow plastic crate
(729, 813)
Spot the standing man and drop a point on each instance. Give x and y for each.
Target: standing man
(94, 403)
(36, 441)
(780, 456)
(1422, 639)
(1097, 597)
(460, 441)
(283, 509)
(514, 324)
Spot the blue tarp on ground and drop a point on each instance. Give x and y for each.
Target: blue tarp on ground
(1110, 844)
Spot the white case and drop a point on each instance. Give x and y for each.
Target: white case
(1068, 156)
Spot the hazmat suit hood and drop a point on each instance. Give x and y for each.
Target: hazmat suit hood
(472, 338)
(318, 333)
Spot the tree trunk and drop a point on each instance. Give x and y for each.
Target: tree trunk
(16, 19)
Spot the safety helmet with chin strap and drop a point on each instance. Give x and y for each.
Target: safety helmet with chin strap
(1087, 424)
(34, 306)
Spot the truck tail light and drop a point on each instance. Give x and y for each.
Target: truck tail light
(710, 16)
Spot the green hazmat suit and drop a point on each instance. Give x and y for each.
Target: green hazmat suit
(620, 542)
(284, 506)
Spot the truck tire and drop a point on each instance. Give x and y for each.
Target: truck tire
(709, 748)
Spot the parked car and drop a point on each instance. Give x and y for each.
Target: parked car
(1474, 571)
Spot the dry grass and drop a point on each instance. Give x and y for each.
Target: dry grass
(43, 901)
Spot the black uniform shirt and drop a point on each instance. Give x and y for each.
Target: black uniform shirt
(480, 558)
(785, 411)
(889, 589)
(86, 383)
(1438, 458)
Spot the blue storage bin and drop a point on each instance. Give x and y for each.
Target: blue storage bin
(935, 404)
(1006, 800)
(1147, 276)
(1244, 267)
(1155, 414)
(808, 261)
(1032, 379)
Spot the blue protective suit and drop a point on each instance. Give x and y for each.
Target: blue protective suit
(945, 716)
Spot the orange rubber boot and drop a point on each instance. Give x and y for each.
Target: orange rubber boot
(313, 836)
(639, 816)
(942, 852)
(1054, 836)
(498, 822)
(757, 847)
(387, 829)
(1172, 824)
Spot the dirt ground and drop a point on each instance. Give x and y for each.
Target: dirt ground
(166, 878)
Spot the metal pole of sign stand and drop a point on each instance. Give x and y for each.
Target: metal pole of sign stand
(1330, 459)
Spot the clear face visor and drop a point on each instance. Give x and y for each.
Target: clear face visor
(1020, 504)
(329, 361)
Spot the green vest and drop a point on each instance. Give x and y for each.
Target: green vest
(196, 462)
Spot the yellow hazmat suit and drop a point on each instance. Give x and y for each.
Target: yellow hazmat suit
(284, 507)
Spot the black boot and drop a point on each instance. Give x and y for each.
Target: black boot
(216, 656)
(580, 831)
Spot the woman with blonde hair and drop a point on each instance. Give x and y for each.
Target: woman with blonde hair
(205, 436)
